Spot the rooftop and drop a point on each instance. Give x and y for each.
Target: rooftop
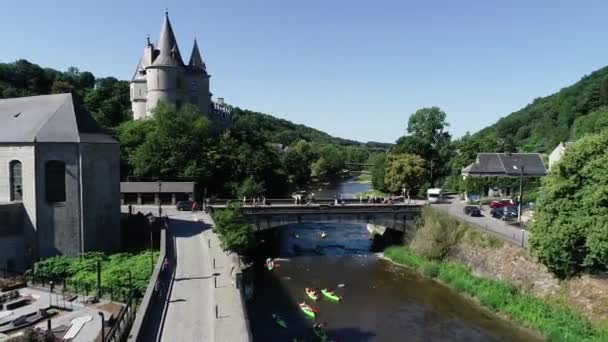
(506, 165)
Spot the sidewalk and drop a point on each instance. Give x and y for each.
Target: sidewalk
(230, 324)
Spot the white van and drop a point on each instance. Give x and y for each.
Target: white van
(434, 195)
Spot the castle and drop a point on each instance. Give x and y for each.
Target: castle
(162, 75)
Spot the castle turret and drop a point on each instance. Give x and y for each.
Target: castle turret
(198, 85)
(164, 77)
(138, 86)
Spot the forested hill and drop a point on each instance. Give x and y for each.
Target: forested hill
(108, 100)
(285, 132)
(566, 115)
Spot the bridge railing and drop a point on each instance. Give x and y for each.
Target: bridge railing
(145, 308)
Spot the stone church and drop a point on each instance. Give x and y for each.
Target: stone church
(161, 74)
(59, 181)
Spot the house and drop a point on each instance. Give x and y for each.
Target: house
(505, 165)
(557, 153)
(59, 181)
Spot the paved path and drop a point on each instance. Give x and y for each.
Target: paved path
(189, 311)
(498, 228)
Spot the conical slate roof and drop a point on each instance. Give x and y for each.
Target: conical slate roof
(196, 62)
(167, 45)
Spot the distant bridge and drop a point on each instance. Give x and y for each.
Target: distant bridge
(393, 216)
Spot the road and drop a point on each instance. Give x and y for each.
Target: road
(511, 234)
(189, 311)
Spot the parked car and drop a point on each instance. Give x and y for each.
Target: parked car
(504, 213)
(472, 210)
(501, 203)
(184, 205)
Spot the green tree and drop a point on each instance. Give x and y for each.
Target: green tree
(428, 138)
(331, 161)
(250, 188)
(570, 230)
(108, 102)
(404, 170)
(175, 145)
(235, 234)
(378, 162)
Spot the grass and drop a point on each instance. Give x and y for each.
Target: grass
(554, 320)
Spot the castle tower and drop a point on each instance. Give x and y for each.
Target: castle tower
(198, 81)
(162, 75)
(164, 78)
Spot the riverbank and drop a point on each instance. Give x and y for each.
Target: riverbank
(553, 320)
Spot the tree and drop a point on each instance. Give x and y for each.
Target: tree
(175, 145)
(378, 162)
(428, 139)
(235, 234)
(331, 161)
(570, 229)
(404, 170)
(109, 101)
(249, 188)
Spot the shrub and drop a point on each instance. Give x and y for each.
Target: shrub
(430, 269)
(437, 232)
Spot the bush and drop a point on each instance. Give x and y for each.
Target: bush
(437, 232)
(569, 231)
(235, 234)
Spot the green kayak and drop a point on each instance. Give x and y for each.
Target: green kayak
(307, 310)
(331, 295)
(278, 320)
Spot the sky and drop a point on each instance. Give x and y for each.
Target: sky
(354, 69)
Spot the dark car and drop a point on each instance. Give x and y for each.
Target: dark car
(184, 205)
(472, 210)
(504, 213)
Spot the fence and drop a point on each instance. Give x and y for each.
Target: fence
(120, 329)
(145, 308)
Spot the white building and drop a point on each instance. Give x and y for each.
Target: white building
(162, 75)
(557, 153)
(59, 181)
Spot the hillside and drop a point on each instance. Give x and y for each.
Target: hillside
(566, 115)
(108, 100)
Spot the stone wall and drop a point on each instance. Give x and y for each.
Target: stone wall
(101, 197)
(58, 223)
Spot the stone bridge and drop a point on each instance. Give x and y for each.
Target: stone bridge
(392, 216)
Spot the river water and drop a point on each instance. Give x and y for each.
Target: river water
(381, 301)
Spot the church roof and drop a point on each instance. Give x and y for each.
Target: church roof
(48, 118)
(196, 62)
(167, 46)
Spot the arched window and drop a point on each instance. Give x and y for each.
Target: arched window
(55, 181)
(15, 180)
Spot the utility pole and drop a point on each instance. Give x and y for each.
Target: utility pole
(160, 211)
(521, 192)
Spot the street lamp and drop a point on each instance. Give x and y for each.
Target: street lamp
(521, 190)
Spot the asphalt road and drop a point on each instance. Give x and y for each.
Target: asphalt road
(501, 229)
(189, 315)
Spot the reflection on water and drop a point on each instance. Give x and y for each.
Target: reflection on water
(346, 187)
(382, 302)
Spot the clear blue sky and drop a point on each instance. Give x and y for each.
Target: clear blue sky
(355, 69)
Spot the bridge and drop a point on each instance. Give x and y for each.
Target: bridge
(396, 216)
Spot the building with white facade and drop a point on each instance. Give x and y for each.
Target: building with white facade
(59, 181)
(161, 74)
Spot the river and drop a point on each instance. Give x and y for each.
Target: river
(381, 301)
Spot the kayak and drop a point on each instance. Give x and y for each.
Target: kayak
(323, 235)
(312, 294)
(307, 310)
(279, 321)
(331, 295)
